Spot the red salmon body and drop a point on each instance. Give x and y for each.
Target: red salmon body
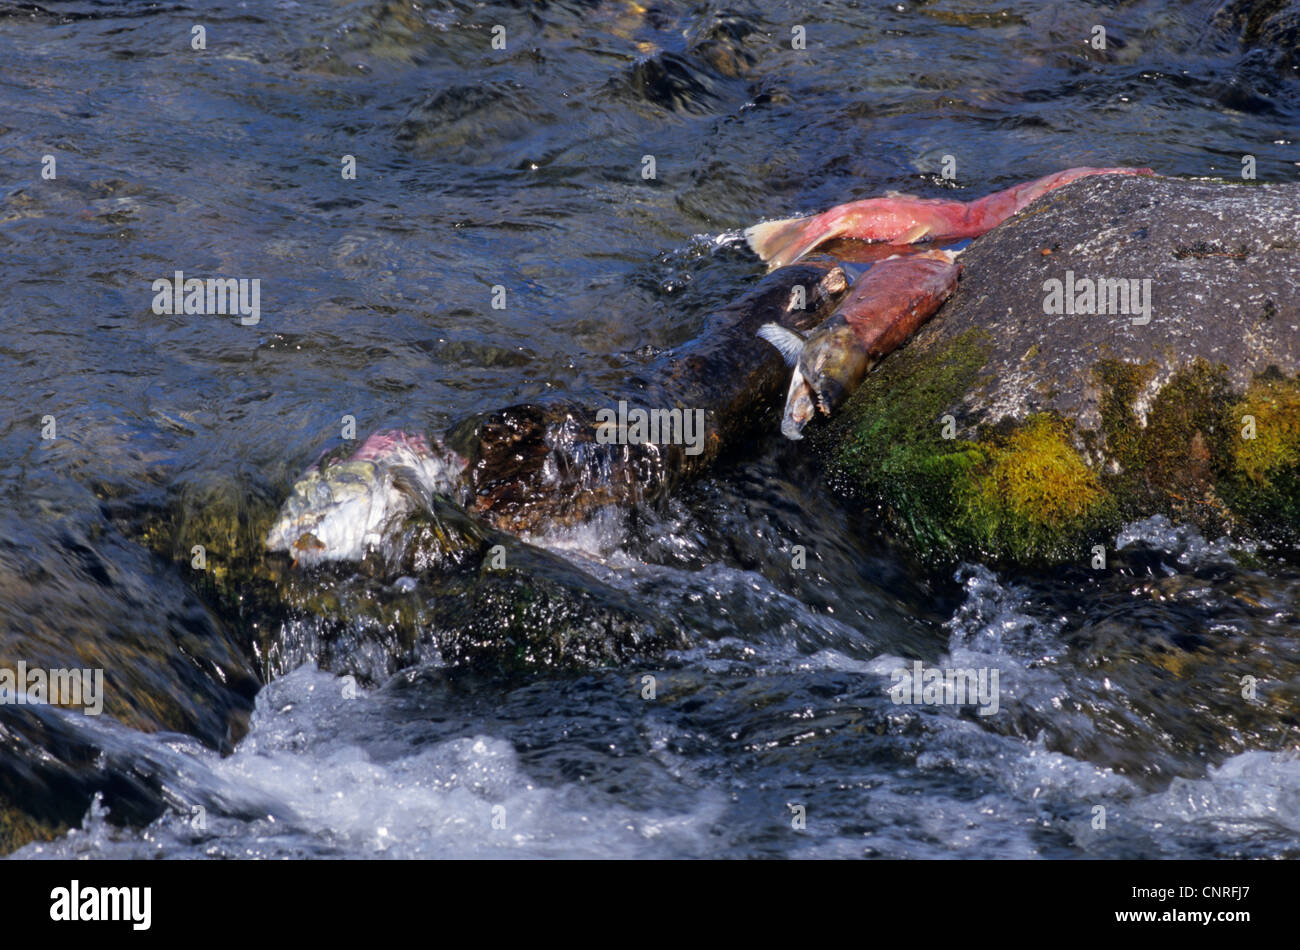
(903, 220)
(897, 296)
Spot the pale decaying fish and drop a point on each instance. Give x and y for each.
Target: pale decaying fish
(898, 219)
(887, 305)
(339, 510)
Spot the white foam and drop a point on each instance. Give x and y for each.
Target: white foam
(461, 798)
(1183, 541)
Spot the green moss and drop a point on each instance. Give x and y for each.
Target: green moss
(888, 442)
(1036, 497)
(1176, 462)
(900, 405)
(1263, 484)
(1120, 384)
(1184, 450)
(1025, 495)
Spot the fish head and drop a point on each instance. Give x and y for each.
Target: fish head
(827, 367)
(832, 364)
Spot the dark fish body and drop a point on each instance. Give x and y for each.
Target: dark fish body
(556, 460)
(542, 462)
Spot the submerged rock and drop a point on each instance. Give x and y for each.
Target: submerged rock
(145, 651)
(1125, 347)
(1272, 26)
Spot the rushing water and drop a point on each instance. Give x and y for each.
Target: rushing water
(523, 168)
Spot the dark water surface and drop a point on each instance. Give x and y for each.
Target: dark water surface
(522, 167)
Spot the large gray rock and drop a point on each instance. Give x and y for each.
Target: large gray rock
(1222, 262)
(1066, 423)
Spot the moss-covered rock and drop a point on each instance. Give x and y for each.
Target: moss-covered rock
(1015, 432)
(1023, 493)
(1264, 482)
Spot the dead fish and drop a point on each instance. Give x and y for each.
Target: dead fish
(536, 464)
(902, 219)
(340, 510)
(884, 308)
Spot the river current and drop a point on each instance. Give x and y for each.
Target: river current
(773, 733)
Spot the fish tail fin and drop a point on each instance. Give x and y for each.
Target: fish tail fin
(789, 343)
(783, 242)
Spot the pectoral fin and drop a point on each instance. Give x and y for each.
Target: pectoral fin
(913, 234)
(789, 343)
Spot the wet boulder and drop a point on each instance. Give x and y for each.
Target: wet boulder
(1125, 347)
(1271, 26)
(455, 592)
(93, 623)
(443, 587)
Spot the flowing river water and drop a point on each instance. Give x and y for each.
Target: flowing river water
(523, 168)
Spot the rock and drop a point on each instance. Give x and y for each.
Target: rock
(1065, 425)
(489, 601)
(75, 594)
(444, 588)
(1272, 26)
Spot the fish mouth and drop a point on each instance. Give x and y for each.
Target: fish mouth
(801, 402)
(824, 404)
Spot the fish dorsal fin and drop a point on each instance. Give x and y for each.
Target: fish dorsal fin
(901, 194)
(789, 343)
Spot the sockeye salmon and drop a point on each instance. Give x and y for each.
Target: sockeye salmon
(887, 305)
(901, 219)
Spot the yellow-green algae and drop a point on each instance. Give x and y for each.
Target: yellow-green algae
(1273, 403)
(1023, 492)
(1035, 497)
(1025, 495)
(1264, 486)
